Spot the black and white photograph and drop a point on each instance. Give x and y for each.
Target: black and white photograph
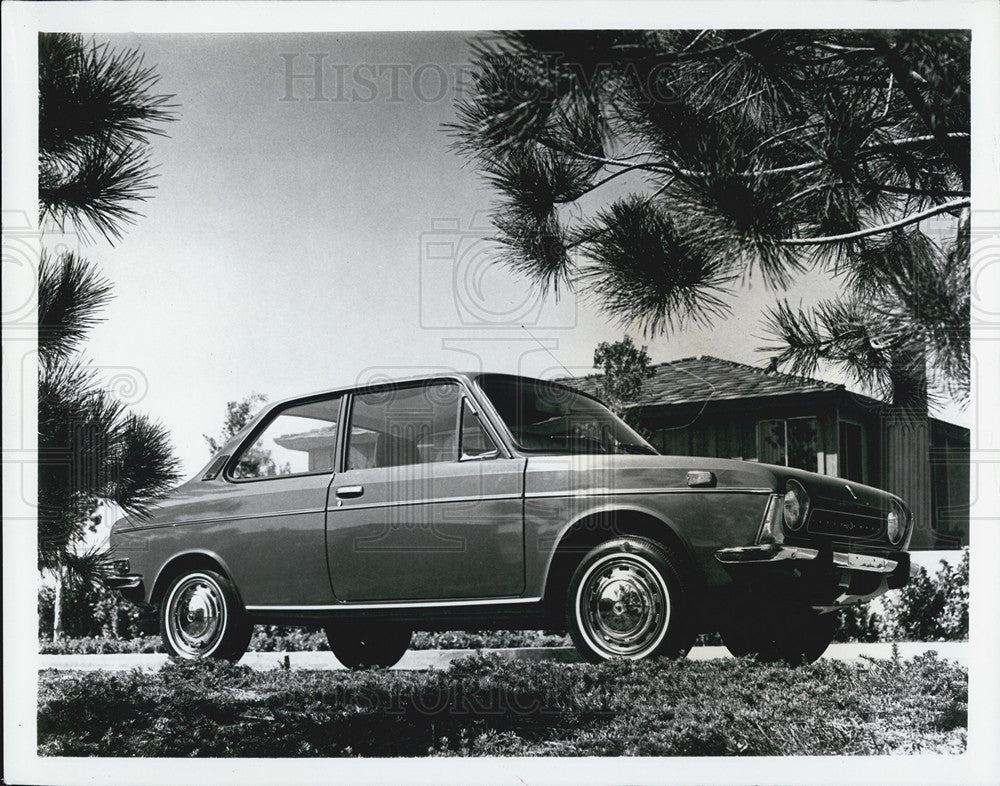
(443, 392)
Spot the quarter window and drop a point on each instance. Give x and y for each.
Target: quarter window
(298, 440)
(394, 427)
(475, 440)
(793, 442)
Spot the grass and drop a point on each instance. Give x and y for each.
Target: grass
(485, 706)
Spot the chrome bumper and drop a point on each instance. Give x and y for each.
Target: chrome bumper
(849, 564)
(773, 553)
(124, 582)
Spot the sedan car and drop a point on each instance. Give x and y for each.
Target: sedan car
(491, 501)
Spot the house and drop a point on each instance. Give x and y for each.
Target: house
(706, 406)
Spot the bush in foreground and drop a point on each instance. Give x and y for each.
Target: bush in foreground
(484, 706)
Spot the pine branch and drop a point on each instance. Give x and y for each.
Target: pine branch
(70, 293)
(96, 114)
(903, 222)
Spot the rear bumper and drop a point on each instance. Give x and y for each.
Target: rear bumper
(834, 579)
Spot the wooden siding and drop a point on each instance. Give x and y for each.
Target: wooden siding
(908, 472)
(731, 435)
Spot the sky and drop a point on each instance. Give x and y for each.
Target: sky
(307, 233)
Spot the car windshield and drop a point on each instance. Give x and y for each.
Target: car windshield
(551, 417)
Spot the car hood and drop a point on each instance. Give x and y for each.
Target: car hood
(638, 472)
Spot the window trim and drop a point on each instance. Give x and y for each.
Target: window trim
(268, 419)
(489, 454)
(344, 444)
(865, 468)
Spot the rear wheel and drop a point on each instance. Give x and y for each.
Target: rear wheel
(368, 646)
(201, 616)
(628, 599)
(794, 637)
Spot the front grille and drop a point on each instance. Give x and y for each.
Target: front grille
(851, 525)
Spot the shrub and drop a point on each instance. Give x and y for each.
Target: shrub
(860, 623)
(486, 639)
(281, 638)
(88, 612)
(100, 645)
(486, 706)
(931, 609)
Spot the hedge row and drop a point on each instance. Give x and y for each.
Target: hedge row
(484, 706)
(273, 638)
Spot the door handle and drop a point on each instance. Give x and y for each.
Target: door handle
(345, 492)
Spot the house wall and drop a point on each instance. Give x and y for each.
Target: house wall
(949, 458)
(730, 429)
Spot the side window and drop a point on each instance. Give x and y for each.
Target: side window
(298, 440)
(476, 441)
(395, 427)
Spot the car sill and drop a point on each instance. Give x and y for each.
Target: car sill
(397, 605)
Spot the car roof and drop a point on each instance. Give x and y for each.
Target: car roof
(377, 379)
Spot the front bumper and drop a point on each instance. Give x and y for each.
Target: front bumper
(129, 585)
(838, 578)
(124, 582)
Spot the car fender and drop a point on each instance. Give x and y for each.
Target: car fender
(617, 508)
(159, 584)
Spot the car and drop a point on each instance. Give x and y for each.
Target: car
(493, 501)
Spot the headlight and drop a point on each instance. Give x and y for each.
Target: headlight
(795, 505)
(895, 523)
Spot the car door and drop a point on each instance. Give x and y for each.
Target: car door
(270, 526)
(427, 507)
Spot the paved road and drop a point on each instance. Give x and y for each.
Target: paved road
(439, 659)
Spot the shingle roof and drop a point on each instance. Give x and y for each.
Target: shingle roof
(704, 377)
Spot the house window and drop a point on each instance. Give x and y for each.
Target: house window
(852, 451)
(792, 442)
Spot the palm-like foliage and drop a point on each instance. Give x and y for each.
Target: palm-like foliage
(741, 154)
(96, 109)
(91, 449)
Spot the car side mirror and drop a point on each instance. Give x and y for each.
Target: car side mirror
(489, 454)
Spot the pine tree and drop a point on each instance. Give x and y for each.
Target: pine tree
(656, 172)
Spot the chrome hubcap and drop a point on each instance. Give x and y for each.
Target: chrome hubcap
(197, 616)
(623, 606)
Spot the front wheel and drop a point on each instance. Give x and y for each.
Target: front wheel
(201, 617)
(628, 598)
(794, 636)
(368, 646)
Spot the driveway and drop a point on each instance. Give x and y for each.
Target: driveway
(419, 660)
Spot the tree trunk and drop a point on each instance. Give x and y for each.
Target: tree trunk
(57, 625)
